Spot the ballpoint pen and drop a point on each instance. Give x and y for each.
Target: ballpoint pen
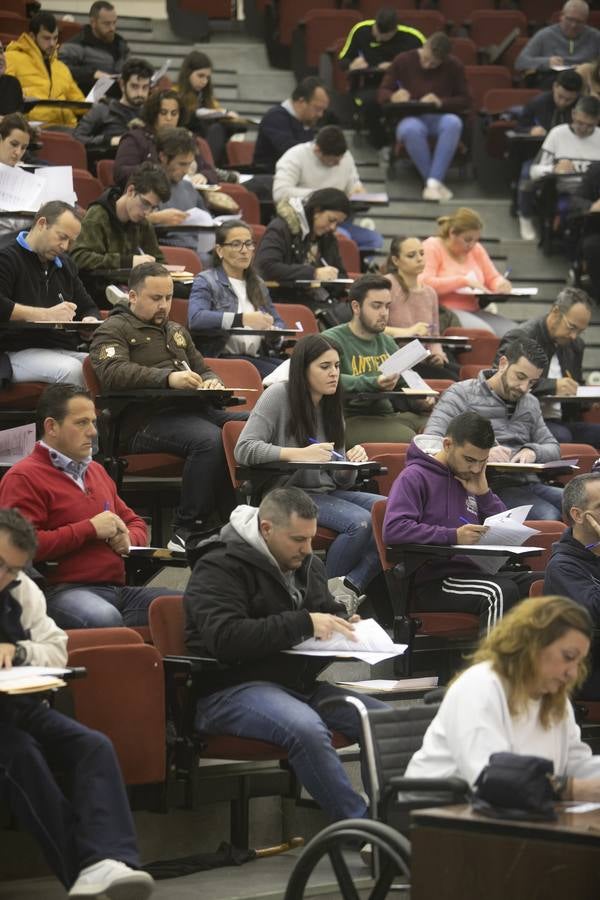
(333, 452)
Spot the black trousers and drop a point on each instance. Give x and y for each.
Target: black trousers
(481, 594)
(92, 819)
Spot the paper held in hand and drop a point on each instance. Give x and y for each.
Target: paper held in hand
(404, 358)
(372, 644)
(506, 529)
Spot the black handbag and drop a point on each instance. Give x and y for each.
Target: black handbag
(512, 786)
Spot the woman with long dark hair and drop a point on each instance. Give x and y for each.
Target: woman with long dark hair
(415, 309)
(232, 295)
(302, 420)
(195, 88)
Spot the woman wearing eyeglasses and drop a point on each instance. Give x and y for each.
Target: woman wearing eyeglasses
(231, 295)
(457, 266)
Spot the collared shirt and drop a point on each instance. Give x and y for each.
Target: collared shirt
(71, 467)
(22, 242)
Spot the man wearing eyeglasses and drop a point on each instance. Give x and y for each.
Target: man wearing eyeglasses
(115, 231)
(559, 335)
(567, 43)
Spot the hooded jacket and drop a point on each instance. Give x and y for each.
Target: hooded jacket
(105, 120)
(54, 81)
(85, 54)
(574, 572)
(243, 610)
(426, 505)
(138, 145)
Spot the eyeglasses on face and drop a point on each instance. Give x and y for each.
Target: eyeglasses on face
(571, 328)
(147, 206)
(237, 245)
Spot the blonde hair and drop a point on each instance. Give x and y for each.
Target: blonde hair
(464, 219)
(514, 644)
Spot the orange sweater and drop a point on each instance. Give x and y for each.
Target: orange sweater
(446, 275)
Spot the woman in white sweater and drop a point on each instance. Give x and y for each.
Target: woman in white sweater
(515, 698)
(301, 421)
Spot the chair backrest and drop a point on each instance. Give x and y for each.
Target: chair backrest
(370, 8)
(63, 150)
(91, 379)
(498, 100)
(68, 30)
(427, 21)
(87, 187)
(205, 151)
(322, 28)
(465, 50)
(377, 517)
(123, 697)
(79, 638)
(239, 374)
(291, 11)
(349, 252)
(586, 454)
(13, 24)
(179, 311)
(549, 533)
(390, 455)
(167, 625)
(257, 233)
(491, 26)
(471, 370)
(291, 313)
(509, 56)
(397, 734)
(19, 7)
(459, 11)
(105, 170)
(182, 256)
(246, 200)
(240, 153)
(536, 588)
(231, 432)
(481, 79)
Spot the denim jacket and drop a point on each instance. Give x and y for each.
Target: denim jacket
(212, 310)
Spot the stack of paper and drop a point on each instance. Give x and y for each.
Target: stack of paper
(30, 679)
(506, 529)
(371, 645)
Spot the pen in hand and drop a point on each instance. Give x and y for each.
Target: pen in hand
(334, 453)
(465, 521)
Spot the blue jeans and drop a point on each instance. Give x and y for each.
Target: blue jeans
(205, 484)
(546, 499)
(414, 133)
(575, 432)
(365, 238)
(268, 712)
(100, 605)
(353, 553)
(94, 822)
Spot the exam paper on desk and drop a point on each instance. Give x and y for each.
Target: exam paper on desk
(372, 644)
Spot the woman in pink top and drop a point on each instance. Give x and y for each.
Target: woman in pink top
(455, 260)
(415, 311)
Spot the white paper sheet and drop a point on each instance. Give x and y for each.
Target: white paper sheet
(197, 216)
(389, 685)
(372, 644)
(281, 373)
(516, 292)
(589, 391)
(373, 197)
(57, 184)
(25, 672)
(16, 443)
(404, 358)
(160, 72)
(414, 381)
(100, 88)
(19, 190)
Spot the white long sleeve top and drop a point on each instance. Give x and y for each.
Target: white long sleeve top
(299, 172)
(474, 721)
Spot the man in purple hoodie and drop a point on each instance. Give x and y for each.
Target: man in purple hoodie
(443, 499)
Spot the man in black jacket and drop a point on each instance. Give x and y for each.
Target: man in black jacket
(558, 334)
(104, 125)
(39, 283)
(98, 49)
(256, 591)
(552, 107)
(289, 123)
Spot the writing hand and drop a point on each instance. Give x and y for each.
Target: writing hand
(500, 454)
(524, 455)
(7, 652)
(179, 381)
(470, 534)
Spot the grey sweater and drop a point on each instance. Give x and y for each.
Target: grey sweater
(514, 427)
(266, 432)
(551, 41)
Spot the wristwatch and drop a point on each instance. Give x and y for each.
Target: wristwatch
(20, 655)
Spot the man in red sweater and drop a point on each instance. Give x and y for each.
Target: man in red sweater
(431, 75)
(82, 524)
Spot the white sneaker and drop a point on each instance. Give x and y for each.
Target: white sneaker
(111, 878)
(446, 193)
(527, 229)
(115, 295)
(432, 191)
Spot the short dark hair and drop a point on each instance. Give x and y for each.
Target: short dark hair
(326, 198)
(361, 287)
(331, 140)
(440, 45)
(306, 88)
(279, 505)
(387, 19)
(150, 177)
(470, 427)
(569, 296)
(54, 402)
(138, 274)
(173, 141)
(14, 122)
(41, 20)
(98, 6)
(53, 210)
(152, 105)
(589, 106)
(19, 529)
(575, 493)
(136, 66)
(570, 80)
(528, 348)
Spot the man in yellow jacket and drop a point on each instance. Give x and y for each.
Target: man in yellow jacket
(32, 59)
